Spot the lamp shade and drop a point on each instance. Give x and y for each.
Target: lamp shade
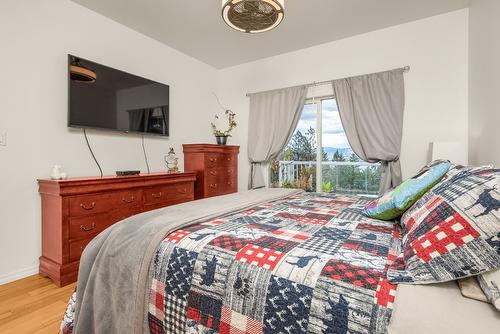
(253, 16)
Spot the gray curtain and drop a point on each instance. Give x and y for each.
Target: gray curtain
(135, 119)
(371, 109)
(273, 118)
(139, 118)
(164, 112)
(148, 112)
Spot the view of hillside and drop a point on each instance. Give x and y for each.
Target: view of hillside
(346, 152)
(295, 167)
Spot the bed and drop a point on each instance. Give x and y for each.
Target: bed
(439, 309)
(263, 261)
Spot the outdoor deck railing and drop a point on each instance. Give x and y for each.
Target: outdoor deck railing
(290, 172)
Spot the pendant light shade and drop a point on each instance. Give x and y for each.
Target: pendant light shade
(80, 73)
(253, 16)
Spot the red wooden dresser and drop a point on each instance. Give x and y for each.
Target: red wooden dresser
(74, 211)
(216, 168)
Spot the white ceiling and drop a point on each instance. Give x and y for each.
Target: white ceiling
(195, 27)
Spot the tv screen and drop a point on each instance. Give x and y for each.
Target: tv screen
(101, 97)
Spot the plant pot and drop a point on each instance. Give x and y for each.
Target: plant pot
(221, 140)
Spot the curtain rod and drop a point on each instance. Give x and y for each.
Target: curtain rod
(316, 83)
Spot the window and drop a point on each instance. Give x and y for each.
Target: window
(319, 157)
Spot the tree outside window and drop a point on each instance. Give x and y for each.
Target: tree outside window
(342, 171)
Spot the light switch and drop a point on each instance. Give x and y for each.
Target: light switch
(3, 138)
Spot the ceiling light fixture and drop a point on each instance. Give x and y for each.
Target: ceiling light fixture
(253, 16)
(81, 73)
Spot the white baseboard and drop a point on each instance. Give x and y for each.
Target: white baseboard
(14, 276)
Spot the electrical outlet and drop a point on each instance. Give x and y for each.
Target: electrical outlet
(3, 138)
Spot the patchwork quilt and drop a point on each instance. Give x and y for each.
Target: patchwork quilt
(306, 264)
(453, 231)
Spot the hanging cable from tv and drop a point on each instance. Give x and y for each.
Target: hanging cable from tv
(92, 152)
(145, 155)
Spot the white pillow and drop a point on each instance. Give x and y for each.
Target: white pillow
(490, 283)
(470, 288)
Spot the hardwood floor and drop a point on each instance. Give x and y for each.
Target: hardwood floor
(32, 305)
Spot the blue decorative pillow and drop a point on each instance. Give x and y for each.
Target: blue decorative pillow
(396, 201)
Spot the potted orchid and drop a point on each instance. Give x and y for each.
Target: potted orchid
(221, 135)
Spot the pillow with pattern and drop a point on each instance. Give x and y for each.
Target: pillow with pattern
(453, 231)
(396, 201)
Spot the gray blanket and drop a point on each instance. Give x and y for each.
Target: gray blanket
(113, 276)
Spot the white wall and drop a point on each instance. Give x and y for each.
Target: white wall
(436, 86)
(36, 37)
(484, 107)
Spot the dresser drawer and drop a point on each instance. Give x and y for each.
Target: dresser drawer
(88, 226)
(232, 185)
(155, 195)
(181, 191)
(168, 193)
(221, 187)
(220, 173)
(219, 160)
(90, 204)
(84, 227)
(213, 159)
(97, 203)
(129, 198)
(229, 187)
(76, 248)
(229, 160)
(221, 180)
(214, 188)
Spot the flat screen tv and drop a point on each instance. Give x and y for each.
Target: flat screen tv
(101, 97)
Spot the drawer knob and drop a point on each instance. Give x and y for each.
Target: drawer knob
(158, 195)
(213, 159)
(128, 200)
(213, 185)
(230, 183)
(213, 172)
(84, 207)
(86, 229)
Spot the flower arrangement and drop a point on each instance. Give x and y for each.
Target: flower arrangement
(231, 125)
(221, 135)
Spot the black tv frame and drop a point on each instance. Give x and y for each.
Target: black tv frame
(148, 134)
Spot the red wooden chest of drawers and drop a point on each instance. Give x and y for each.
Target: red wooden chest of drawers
(216, 168)
(74, 211)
